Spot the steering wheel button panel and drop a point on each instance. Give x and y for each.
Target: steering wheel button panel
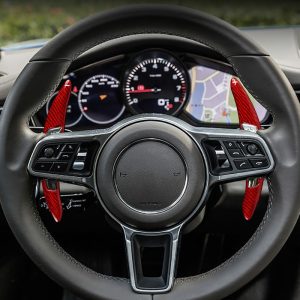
(70, 158)
(236, 156)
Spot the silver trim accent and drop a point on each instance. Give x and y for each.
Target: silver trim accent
(249, 127)
(78, 165)
(81, 154)
(175, 234)
(54, 130)
(252, 182)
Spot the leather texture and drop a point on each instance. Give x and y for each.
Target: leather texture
(258, 73)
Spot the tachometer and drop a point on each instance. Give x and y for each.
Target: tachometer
(156, 82)
(99, 99)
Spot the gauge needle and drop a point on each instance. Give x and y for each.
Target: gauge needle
(138, 91)
(102, 97)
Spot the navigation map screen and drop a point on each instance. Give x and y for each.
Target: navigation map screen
(211, 99)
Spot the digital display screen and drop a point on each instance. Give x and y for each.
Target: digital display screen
(211, 99)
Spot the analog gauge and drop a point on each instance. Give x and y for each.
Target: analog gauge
(156, 83)
(99, 99)
(73, 115)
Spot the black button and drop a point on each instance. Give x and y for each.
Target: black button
(65, 156)
(235, 153)
(59, 167)
(48, 152)
(42, 166)
(252, 149)
(230, 145)
(58, 148)
(70, 148)
(242, 164)
(259, 163)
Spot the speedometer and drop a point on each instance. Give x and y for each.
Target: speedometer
(99, 99)
(156, 82)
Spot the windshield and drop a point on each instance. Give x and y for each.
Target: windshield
(33, 19)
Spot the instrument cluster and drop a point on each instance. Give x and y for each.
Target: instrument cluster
(153, 81)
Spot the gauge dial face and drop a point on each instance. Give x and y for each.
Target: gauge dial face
(73, 115)
(156, 83)
(99, 99)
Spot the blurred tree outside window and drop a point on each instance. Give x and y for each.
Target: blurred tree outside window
(33, 19)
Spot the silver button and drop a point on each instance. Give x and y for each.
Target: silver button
(78, 165)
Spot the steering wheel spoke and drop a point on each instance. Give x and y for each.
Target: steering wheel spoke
(234, 154)
(67, 157)
(152, 258)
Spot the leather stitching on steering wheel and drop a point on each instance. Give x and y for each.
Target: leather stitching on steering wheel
(242, 250)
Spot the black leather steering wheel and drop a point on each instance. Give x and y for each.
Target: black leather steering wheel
(111, 150)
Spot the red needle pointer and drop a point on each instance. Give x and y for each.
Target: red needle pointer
(142, 91)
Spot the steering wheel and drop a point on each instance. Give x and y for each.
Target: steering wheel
(178, 160)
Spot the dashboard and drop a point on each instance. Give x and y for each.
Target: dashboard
(150, 81)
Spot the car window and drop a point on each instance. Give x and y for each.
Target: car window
(33, 19)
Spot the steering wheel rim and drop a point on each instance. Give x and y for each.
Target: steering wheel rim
(247, 59)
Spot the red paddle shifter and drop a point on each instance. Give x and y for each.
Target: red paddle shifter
(247, 116)
(56, 120)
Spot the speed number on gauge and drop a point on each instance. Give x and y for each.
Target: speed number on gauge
(156, 85)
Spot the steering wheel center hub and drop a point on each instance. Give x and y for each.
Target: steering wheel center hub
(150, 176)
